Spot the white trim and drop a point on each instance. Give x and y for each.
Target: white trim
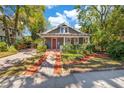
(67, 27)
(64, 36)
(78, 40)
(49, 30)
(63, 40)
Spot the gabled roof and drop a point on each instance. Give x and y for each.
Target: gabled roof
(65, 25)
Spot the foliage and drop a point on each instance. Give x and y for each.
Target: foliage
(20, 44)
(38, 41)
(116, 49)
(28, 16)
(41, 48)
(103, 22)
(78, 49)
(11, 49)
(3, 46)
(90, 48)
(71, 57)
(70, 48)
(36, 20)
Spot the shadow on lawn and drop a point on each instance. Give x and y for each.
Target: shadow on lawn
(94, 64)
(86, 80)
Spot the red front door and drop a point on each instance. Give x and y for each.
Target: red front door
(54, 44)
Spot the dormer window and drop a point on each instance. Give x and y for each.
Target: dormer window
(64, 29)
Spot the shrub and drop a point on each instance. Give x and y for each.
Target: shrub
(116, 49)
(90, 48)
(66, 48)
(19, 44)
(69, 48)
(41, 48)
(3, 46)
(71, 57)
(86, 52)
(78, 49)
(122, 58)
(11, 49)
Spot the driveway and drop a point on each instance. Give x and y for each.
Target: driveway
(19, 56)
(102, 79)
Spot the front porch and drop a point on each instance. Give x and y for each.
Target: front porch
(58, 42)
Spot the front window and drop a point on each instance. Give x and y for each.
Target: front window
(63, 30)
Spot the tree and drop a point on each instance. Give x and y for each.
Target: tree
(115, 23)
(36, 20)
(105, 23)
(4, 18)
(30, 16)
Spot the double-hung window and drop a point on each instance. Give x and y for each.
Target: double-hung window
(63, 30)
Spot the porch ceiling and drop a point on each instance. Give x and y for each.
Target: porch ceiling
(63, 35)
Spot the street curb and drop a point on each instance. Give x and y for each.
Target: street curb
(98, 70)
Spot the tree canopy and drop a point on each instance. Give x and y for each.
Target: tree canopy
(103, 22)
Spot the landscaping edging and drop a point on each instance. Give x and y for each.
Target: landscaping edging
(58, 64)
(97, 70)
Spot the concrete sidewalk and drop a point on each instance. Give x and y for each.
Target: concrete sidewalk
(102, 79)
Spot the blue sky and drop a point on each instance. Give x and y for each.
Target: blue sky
(62, 14)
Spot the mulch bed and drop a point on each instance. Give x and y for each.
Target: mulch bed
(35, 67)
(58, 64)
(88, 57)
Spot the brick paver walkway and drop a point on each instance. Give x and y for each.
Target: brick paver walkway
(49, 66)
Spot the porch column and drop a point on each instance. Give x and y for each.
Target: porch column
(64, 41)
(78, 40)
(88, 40)
(83, 40)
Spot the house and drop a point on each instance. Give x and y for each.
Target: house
(18, 35)
(64, 34)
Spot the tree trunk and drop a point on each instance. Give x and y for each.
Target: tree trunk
(16, 23)
(6, 30)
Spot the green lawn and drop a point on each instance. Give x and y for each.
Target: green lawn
(4, 54)
(94, 63)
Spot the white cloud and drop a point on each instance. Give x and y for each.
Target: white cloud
(65, 17)
(77, 26)
(72, 14)
(58, 19)
(50, 6)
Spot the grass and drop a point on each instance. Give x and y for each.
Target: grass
(18, 69)
(5, 54)
(94, 63)
(71, 57)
